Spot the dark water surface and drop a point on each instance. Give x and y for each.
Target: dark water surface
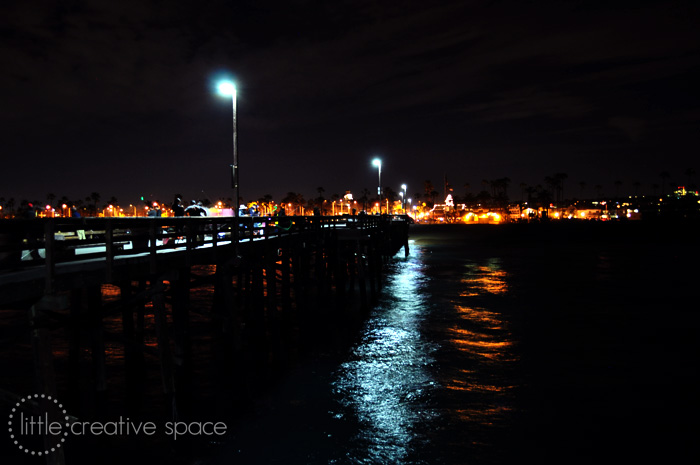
(561, 343)
(538, 345)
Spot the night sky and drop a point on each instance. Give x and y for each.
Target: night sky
(118, 97)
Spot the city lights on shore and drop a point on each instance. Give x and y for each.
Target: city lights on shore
(682, 201)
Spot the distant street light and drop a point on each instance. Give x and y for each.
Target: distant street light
(227, 88)
(403, 198)
(378, 163)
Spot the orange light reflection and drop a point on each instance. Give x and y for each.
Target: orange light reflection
(485, 279)
(483, 415)
(462, 385)
(479, 344)
(488, 319)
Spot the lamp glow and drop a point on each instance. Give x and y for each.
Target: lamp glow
(226, 88)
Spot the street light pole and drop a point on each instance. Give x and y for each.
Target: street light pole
(403, 198)
(227, 88)
(235, 153)
(378, 163)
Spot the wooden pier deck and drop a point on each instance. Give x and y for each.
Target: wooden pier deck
(40, 256)
(269, 273)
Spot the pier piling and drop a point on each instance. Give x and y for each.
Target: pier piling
(282, 289)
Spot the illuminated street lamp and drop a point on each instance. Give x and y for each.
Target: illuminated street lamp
(403, 198)
(227, 88)
(378, 163)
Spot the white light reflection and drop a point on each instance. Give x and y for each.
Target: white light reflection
(386, 384)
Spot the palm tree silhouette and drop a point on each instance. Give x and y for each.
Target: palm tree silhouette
(530, 190)
(429, 189)
(366, 193)
(297, 200)
(94, 198)
(553, 183)
(265, 202)
(560, 177)
(636, 185)
(664, 177)
(690, 172)
(503, 184)
(318, 202)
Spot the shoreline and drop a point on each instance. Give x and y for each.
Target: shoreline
(623, 232)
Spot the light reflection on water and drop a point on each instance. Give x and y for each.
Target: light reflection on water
(431, 379)
(386, 382)
(488, 278)
(479, 336)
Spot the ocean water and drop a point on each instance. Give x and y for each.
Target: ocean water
(562, 343)
(504, 345)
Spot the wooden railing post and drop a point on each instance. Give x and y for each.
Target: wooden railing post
(109, 249)
(189, 239)
(163, 338)
(44, 370)
(152, 246)
(49, 249)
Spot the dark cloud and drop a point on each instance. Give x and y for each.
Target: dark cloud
(118, 96)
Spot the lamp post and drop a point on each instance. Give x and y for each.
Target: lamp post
(227, 88)
(403, 198)
(378, 163)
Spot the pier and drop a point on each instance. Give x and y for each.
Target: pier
(276, 281)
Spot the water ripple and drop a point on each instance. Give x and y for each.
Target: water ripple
(385, 383)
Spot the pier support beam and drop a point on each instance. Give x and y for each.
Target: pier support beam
(180, 293)
(163, 337)
(134, 368)
(99, 364)
(44, 373)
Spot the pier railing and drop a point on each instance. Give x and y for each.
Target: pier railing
(277, 284)
(49, 241)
